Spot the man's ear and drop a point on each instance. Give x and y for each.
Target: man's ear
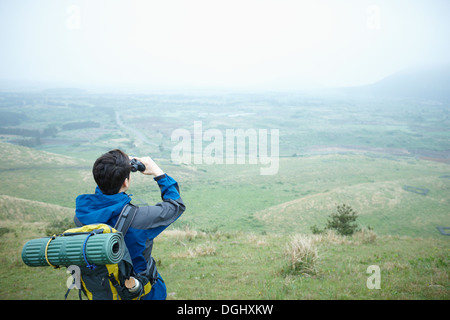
(126, 183)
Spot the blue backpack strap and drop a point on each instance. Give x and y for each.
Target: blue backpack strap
(125, 219)
(89, 265)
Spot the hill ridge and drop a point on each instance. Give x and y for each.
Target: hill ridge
(15, 208)
(381, 205)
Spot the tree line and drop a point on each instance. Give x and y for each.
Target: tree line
(34, 135)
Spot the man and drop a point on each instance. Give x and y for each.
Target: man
(112, 174)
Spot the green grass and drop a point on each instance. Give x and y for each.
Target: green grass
(248, 266)
(243, 222)
(19, 282)
(231, 241)
(240, 266)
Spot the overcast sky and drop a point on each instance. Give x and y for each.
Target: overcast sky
(209, 43)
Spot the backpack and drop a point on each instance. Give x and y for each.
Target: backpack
(107, 282)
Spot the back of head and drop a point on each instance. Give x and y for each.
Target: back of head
(110, 171)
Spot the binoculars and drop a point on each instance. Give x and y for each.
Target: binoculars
(136, 165)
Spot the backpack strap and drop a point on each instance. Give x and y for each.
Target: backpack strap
(125, 219)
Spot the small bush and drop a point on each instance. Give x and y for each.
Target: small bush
(343, 220)
(302, 255)
(316, 230)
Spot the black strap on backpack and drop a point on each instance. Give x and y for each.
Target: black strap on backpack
(125, 219)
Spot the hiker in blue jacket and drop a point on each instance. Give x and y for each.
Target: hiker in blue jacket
(112, 174)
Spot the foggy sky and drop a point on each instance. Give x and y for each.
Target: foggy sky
(207, 43)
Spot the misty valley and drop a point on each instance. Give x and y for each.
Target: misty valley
(67, 121)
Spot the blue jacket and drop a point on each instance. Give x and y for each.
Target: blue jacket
(148, 223)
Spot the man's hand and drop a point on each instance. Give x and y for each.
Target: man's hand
(151, 168)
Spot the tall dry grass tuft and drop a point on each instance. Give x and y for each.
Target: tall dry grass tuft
(199, 251)
(185, 234)
(331, 237)
(365, 236)
(302, 255)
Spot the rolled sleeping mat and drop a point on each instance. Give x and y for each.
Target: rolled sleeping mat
(80, 250)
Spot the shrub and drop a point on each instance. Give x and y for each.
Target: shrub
(316, 230)
(343, 220)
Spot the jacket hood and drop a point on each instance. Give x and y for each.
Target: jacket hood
(99, 207)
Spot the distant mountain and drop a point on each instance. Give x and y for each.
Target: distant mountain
(425, 83)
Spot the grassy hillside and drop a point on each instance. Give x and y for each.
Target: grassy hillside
(231, 243)
(237, 265)
(17, 210)
(20, 221)
(377, 190)
(249, 266)
(43, 176)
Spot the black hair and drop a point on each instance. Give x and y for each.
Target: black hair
(110, 171)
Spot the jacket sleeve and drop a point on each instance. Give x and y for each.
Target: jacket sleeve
(158, 217)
